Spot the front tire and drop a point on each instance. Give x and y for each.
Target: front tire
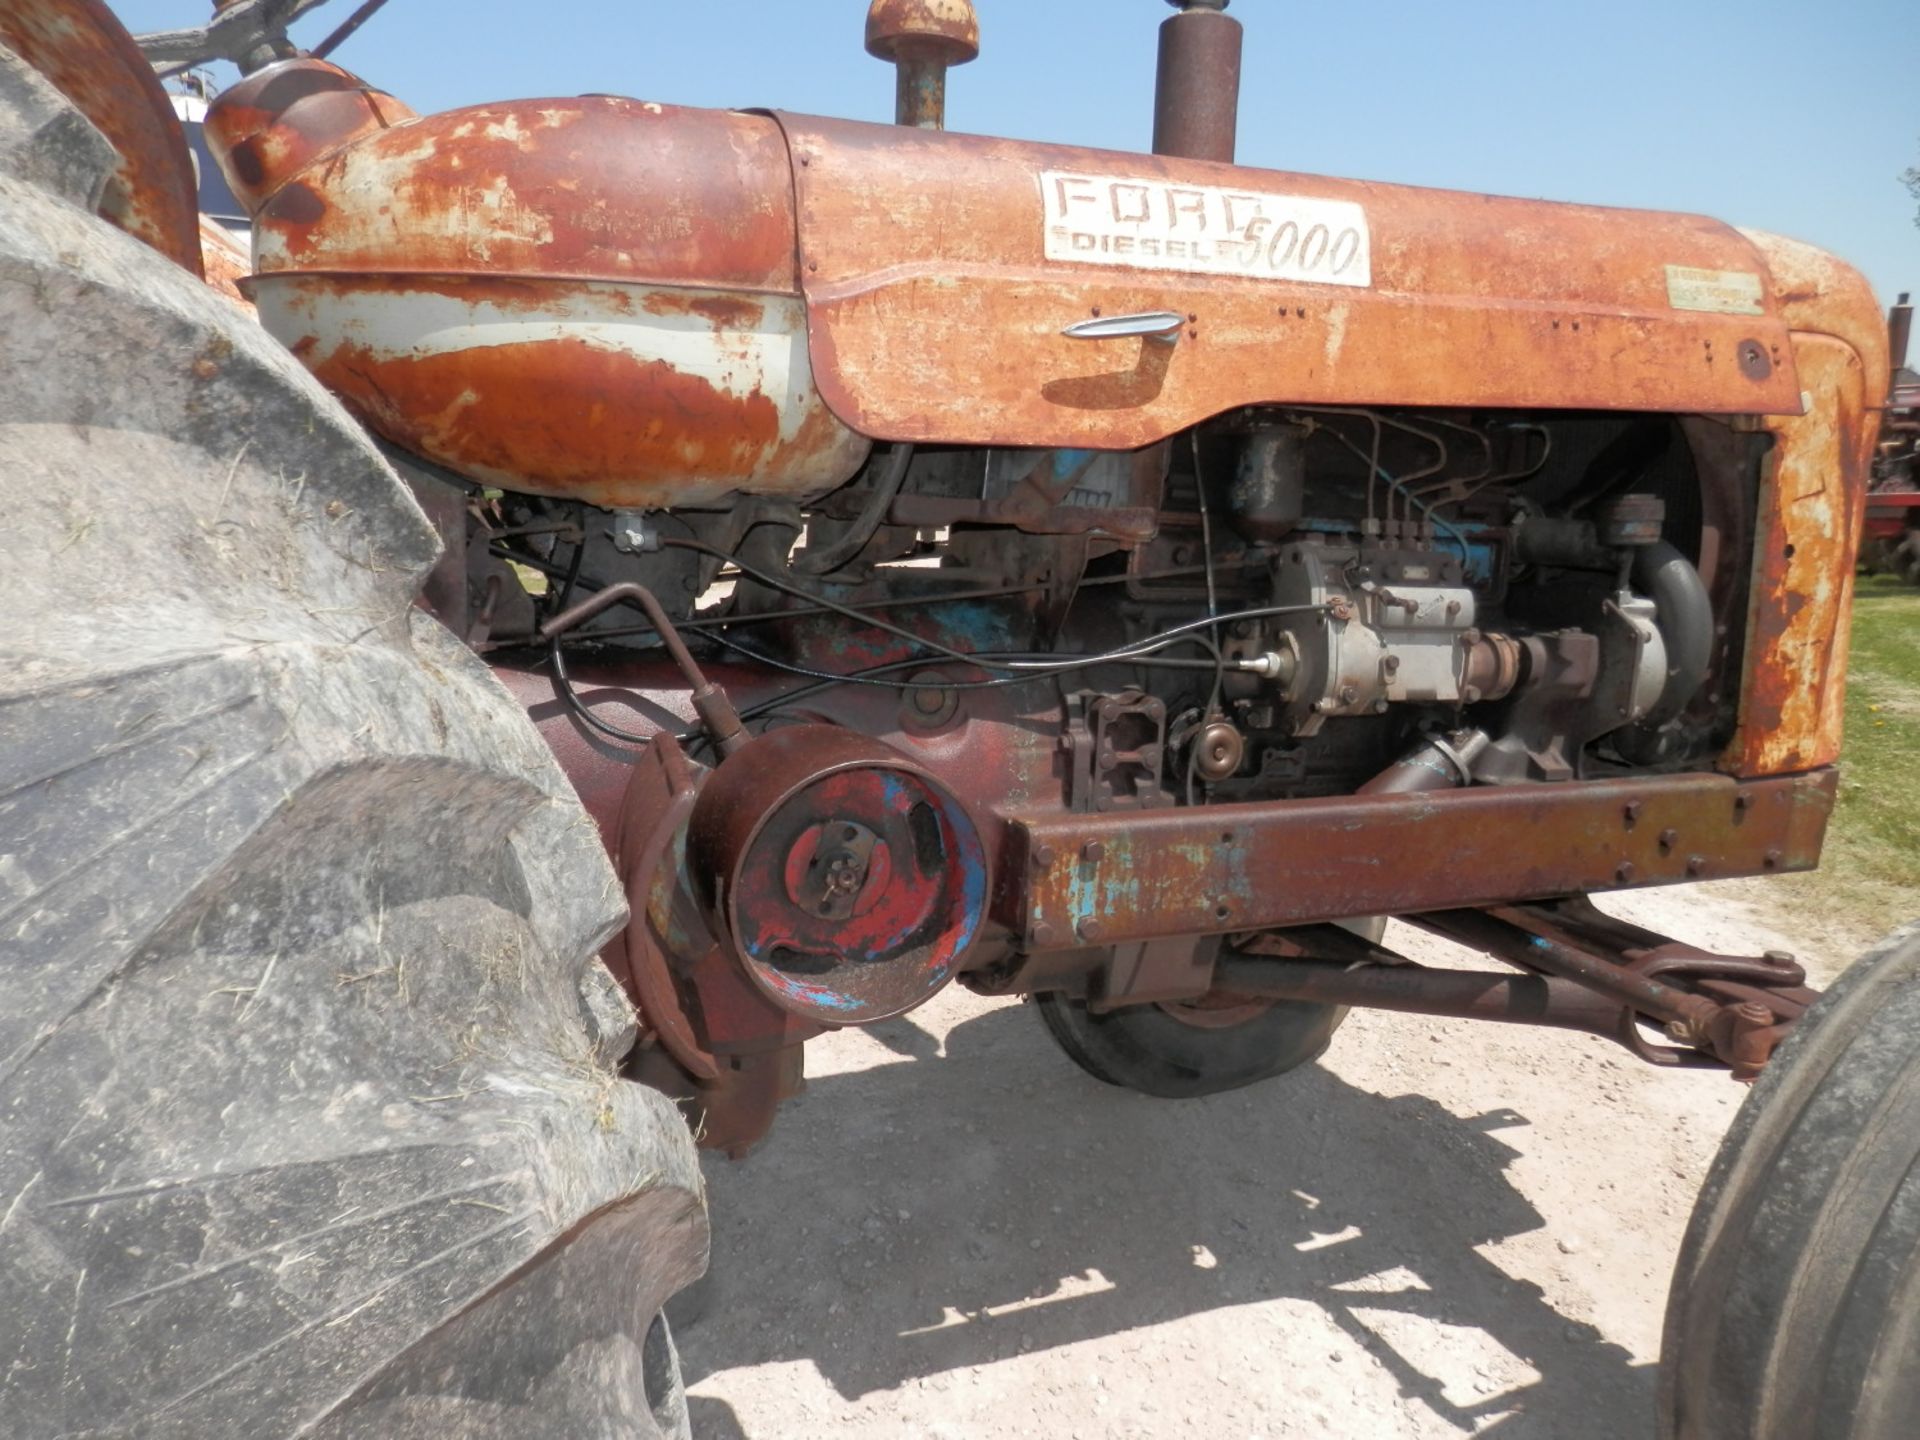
(1184, 1051)
(1795, 1309)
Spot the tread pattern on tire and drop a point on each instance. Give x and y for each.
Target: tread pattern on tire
(1795, 1308)
(1141, 1047)
(306, 1070)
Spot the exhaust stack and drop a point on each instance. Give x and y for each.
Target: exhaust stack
(922, 39)
(1899, 331)
(1196, 110)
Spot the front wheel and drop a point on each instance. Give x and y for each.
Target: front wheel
(1180, 1051)
(1795, 1308)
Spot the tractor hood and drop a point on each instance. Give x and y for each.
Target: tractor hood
(942, 272)
(645, 305)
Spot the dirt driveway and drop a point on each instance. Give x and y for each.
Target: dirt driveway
(1439, 1230)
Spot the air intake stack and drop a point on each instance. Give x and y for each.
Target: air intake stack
(1196, 111)
(922, 40)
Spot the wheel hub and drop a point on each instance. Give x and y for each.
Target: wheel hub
(848, 882)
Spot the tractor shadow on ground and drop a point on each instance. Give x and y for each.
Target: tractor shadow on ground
(948, 1211)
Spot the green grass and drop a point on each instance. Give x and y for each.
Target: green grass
(1869, 877)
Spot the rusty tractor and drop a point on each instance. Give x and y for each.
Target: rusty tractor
(1892, 540)
(614, 591)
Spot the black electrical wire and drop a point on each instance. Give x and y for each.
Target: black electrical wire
(562, 683)
(1213, 612)
(765, 617)
(827, 680)
(990, 660)
(831, 557)
(1038, 667)
(1021, 671)
(1002, 660)
(1028, 670)
(801, 612)
(849, 612)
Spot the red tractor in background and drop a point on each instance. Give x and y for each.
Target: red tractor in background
(1892, 542)
(649, 586)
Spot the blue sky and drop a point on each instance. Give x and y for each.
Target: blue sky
(1794, 117)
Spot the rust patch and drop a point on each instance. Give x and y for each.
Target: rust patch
(86, 55)
(279, 121)
(724, 312)
(1475, 301)
(296, 204)
(224, 261)
(1175, 872)
(515, 414)
(507, 293)
(943, 30)
(640, 415)
(1812, 510)
(593, 188)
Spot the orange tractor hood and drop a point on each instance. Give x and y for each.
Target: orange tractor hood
(814, 284)
(941, 271)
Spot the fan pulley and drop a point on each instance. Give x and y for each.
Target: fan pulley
(846, 879)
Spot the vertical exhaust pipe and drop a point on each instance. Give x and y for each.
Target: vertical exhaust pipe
(922, 39)
(1899, 331)
(1196, 108)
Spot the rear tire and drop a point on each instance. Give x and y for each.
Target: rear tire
(1906, 558)
(1795, 1309)
(307, 1079)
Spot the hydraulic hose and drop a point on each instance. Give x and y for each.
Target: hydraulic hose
(831, 557)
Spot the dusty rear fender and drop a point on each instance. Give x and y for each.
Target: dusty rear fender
(85, 54)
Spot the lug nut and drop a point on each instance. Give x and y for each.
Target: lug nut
(1093, 852)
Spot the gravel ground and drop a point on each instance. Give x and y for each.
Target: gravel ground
(1439, 1230)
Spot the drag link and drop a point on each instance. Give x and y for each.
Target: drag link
(1505, 932)
(1742, 1035)
(1419, 990)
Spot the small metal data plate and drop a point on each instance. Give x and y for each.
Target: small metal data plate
(1098, 219)
(1721, 292)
